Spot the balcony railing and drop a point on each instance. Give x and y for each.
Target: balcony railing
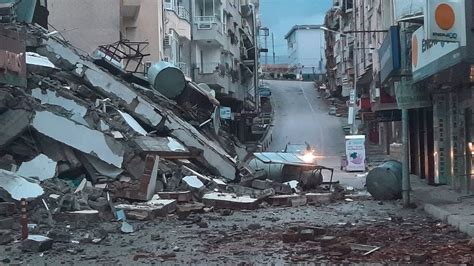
(181, 11)
(205, 19)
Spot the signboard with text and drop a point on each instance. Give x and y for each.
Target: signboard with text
(445, 20)
(430, 57)
(410, 96)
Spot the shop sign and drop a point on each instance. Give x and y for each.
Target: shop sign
(445, 20)
(431, 56)
(389, 54)
(410, 96)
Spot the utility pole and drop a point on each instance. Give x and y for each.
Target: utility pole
(273, 48)
(255, 60)
(404, 33)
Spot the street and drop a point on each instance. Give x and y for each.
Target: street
(301, 116)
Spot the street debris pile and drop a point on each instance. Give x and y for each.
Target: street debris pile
(84, 143)
(396, 240)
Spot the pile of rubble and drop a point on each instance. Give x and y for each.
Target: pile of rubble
(81, 144)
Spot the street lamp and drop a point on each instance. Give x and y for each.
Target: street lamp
(351, 117)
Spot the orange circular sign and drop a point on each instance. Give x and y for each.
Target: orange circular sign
(414, 51)
(444, 16)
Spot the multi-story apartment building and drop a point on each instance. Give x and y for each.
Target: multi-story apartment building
(305, 51)
(177, 38)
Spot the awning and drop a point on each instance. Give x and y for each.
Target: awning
(281, 158)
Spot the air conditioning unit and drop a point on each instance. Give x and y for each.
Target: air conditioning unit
(167, 40)
(204, 26)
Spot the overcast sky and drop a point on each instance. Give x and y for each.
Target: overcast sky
(280, 15)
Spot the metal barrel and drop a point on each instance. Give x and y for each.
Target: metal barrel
(167, 79)
(385, 181)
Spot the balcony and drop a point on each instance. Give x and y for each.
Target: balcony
(218, 75)
(130, 8)
(209, 30)
(179, 10)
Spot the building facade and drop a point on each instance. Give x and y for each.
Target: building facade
(305, 51)
(405, 60)
(113, 20)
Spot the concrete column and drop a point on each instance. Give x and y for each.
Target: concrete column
(405, 160)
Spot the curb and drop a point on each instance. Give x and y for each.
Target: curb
(461, 223)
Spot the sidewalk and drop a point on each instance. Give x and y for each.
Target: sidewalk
(445, 204)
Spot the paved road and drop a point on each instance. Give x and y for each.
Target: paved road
(300, 115)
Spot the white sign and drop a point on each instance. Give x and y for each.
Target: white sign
(226, 113)
(355, 153)
(407, 8)
(426, 51)
(445, 20)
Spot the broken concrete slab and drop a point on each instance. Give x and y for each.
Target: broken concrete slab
(179, 196)
(12, 124)
(217, 160)
(319, 198)
(37, 243)
(167, 148)
(133, 123)
(18, 187)
(266, 184)
(195, 207)
(287, 200)
(193, 182)
(41, 167)
(148, 210)
(76, 111)
(77, 136)
(34, 59)
(79, 217)
(103, 168)
(230, 201)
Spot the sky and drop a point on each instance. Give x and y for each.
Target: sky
(280, 15)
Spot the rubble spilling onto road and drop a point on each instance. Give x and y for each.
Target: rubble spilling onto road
(83, 145)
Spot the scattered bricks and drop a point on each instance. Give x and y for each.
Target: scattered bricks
(290, 237)
(319, 198)
(36, 243)
(327, 241)
(267, 184)
(306, 235)
(203, 224)
(195, 207)
(148, 210)
(7, 208)
(78, 217)
(287, 200)
(6, 223)
(229, 201)
(180, 196)
(342, 249)
(419, 257)
(318, 231)
(5, 237)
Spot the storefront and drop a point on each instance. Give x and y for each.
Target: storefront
(442, 59)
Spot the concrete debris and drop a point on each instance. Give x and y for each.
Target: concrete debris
(148, 210)
(230, 201)
(37, 243)
(193, 182)
(179, 196)
(41, 167)
(19, 187)
(6, 237)
(38, 60)
(126, 228)
(133, 123)
(164, 147)
(79, 137)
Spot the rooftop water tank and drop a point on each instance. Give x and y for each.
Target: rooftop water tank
(167, 79)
